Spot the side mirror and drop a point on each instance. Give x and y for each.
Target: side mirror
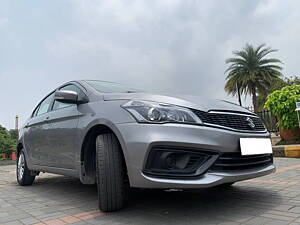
(70, 97)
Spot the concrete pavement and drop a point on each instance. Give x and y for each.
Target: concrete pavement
(274, 199)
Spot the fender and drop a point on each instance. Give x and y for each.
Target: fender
(115, 130)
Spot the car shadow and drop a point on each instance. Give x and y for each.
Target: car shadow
(238, 203)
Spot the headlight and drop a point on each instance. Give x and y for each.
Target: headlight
(153, 112)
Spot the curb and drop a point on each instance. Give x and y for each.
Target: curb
(7, 162)
(289, 151)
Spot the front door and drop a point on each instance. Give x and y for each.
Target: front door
(62, 137)
(63, 132)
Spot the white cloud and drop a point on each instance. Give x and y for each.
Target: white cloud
(170, 45)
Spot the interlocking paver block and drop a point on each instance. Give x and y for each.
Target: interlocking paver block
(53, 199)
(29, 220)
(70, 219)
(13, 223)
(55, 222)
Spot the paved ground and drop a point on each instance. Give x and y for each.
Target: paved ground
(274, 199)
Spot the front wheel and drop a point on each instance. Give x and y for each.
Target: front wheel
(110, 173)
(24, 175)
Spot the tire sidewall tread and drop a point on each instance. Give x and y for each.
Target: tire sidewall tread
(110, 173)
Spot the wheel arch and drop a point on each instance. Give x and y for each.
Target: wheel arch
(88, 149)
(19, 148)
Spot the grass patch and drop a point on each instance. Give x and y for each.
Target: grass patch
(2, 159)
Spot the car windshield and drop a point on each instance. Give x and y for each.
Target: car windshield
(110, 87)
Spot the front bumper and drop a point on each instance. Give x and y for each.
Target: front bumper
(138, 139)
(209, 179)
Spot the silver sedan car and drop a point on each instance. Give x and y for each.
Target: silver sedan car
(118, 137)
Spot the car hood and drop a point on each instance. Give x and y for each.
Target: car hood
(189, 101)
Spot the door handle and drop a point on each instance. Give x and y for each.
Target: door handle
(46, 119)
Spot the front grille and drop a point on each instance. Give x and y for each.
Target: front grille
(235, 161)
(235, 121)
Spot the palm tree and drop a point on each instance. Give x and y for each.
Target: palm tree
(250, 71)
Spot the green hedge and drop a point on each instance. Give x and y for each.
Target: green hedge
(282, 104)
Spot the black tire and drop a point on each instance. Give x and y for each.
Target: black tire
(110, 173)
(25, 178)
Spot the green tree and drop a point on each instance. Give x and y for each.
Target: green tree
(276, 84)
(7, 144)
(283, 104)
(250, 72)
(292, 80)
(14, 134)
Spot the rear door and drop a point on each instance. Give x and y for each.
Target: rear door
(35, 136)
(63, 132)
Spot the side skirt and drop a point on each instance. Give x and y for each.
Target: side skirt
(55, 170)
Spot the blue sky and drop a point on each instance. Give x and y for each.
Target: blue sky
(172, 45)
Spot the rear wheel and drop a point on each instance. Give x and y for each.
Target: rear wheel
(110, 173)
(24, 175)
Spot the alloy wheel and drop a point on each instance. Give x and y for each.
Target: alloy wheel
(21, 166)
